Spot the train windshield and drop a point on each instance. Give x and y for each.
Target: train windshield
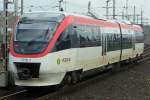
(29, 32)
(33, 34)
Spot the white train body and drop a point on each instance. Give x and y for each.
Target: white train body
(50, 66)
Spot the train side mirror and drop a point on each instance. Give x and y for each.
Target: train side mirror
(74, 27)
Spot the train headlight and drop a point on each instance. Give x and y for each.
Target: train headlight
(24, 74)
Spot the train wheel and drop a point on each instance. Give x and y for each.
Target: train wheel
(67, 80)
(141, 57)
(71, 78)
(136, 59)
(130, 61)
(116, 67)
(75, 77)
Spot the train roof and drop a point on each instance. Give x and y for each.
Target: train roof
(61, 15)
(70, 14)
(58, 13)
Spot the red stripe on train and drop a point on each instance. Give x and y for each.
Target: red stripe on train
(65, 23)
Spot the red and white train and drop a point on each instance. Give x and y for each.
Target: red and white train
(50, 48)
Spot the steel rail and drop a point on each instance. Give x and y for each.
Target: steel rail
(12, 94)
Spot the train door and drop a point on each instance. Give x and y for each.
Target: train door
(75, 41)
(104, 46)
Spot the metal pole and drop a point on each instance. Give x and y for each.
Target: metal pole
(89, 7)
(141, 17)
(5, 35)
(22, 7)
(60, 5)
(127, 9)
(107, 9)
(16, 7)
(114, 9)
(137, 18)
(65, 5)
(122, 15)
(134, 14)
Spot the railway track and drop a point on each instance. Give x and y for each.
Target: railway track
(56, 95)
(9, 92)
(12, 94)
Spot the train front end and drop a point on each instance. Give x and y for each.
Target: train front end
(30, 60)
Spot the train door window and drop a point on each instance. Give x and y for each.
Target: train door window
(139, 37)
(130, 39)
(109, 41)
(96, 36)
(81, 31)
(64, 40)
(127, 39)
(104, 41)
(75, 39)
(114, 41)
(93, 40)
(123, 39)
(118, 39)
(99, 34)
(133, 39)
(88, 35)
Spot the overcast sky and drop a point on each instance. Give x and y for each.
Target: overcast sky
(80, 6)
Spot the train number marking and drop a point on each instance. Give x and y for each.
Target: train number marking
(66, 59)
(26, 60)
(63, 60)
